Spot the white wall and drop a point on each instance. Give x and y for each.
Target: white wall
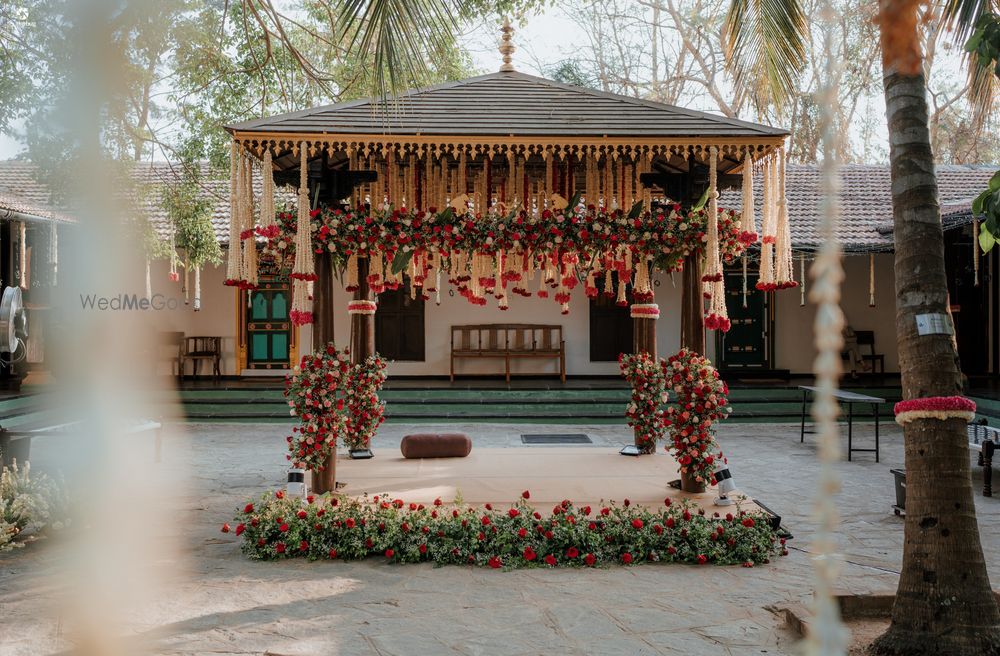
(793, 324)
(794, 349)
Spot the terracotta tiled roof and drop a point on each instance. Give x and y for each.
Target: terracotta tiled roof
(20, 192)
(866, 201)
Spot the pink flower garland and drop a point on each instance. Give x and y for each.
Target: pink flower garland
(935, 407)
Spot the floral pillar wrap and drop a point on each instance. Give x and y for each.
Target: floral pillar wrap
(649, 394)
(702, 400)
(303, 273)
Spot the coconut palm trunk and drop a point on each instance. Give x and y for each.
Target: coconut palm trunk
(944, 604)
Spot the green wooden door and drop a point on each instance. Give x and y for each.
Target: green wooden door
(745, 345)
(268, 326)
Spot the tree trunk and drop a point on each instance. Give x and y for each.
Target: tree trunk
(692, 302)
(323, 310)
(944, 604)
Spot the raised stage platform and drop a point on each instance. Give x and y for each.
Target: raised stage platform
(584, 475)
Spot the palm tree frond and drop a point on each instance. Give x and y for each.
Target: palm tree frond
(764, 42)
(398, 34)
(961, 16)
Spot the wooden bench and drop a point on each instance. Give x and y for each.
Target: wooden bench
(508, 341)
(984, 439)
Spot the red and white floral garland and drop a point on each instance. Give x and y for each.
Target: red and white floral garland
(366, 308)
(644, 311)
(935, 407)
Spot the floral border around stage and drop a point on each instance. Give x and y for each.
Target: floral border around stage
(279, 526)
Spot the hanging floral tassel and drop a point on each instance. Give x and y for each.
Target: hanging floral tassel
(802, 277)
(784, 272)
(149, 281)
(248, 234)
(376, 272)
(765, 281)
(302, 271)
(744, 258)
(174, 276)
(234, 255)
(197, 288)
(871, 280)
(268, 224)
(718, 316)
(351, 282)
(748, 228)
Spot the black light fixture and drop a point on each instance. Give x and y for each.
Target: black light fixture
(630, 450)
(361, 454)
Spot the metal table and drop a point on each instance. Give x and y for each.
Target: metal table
(850, 398)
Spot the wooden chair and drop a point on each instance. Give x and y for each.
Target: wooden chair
(201, 348)
(867, 338)
(168, 348)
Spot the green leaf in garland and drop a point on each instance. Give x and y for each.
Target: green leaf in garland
(701, 201)
(446, 215)
(573, 202)
(986, 240)
(635, 211)
(401, 260)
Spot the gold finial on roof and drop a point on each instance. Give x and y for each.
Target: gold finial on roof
(506, 47)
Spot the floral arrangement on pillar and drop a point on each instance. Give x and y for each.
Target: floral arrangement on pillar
(645, 412)
(364, 411)
(702, 400)
(312, 393)
(333, 399)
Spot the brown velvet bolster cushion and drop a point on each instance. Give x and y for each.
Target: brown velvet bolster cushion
(436, 445)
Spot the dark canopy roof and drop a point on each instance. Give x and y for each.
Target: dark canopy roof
(509, 104)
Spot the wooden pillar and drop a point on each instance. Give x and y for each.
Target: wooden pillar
(692, 303)
(323, 309)
(362, 325)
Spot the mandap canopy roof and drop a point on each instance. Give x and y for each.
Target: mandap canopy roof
(508, 110)
(582, 178)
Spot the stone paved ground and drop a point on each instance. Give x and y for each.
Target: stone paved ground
(218, 602)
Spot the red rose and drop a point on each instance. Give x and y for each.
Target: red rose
(240, 528)
(670, 522)
(225, 528)
(280, 494)
(495, 563)
(333, 553)
(667, 502)
(280, 547)
(572, 552)
(526, 494)
(687, 516)
(349, 522)
(702, 559)
(637, 524)
(550, 560)
(437, 502)
(590, 559)
(485, 521)
(605, 511)
(658, 529)
(627, 558)
(248, 509)
(283, 528)
(389, 553)
(522, 532)
(513, 513)
(748, 522)
(303, 546)
(301, 514)
(529, 554)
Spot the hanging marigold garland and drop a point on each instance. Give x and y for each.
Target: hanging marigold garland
(303, 271)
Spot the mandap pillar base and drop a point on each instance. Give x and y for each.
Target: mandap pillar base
(689, 484)
(326, 480)
(645, 446)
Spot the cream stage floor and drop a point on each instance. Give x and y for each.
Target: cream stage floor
(584, 475)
